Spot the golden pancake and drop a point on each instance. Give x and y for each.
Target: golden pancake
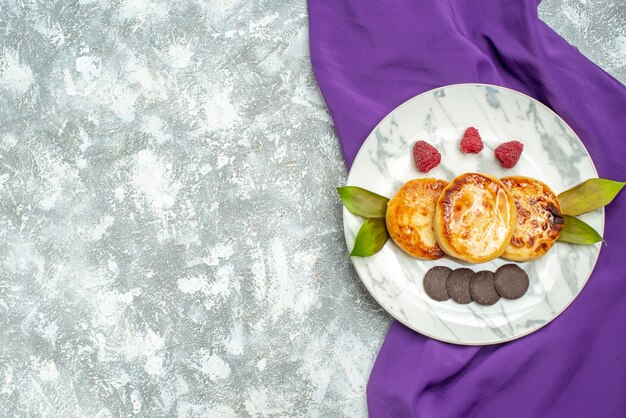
(539, 218)
(474, 218)
(410, 218)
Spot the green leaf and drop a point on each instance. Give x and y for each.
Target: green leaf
(371, 238)
(589, 195)
(576, 231)
(363, 202)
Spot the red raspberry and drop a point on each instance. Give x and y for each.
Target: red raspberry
(426, 156)
(471, 143)
(508, 153)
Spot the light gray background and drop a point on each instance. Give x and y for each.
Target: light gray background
(171, 242)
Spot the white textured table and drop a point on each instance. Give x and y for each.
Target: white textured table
(171, 242)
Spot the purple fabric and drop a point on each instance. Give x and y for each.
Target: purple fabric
(370, 56)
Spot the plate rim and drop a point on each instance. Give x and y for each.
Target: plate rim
(501, 340)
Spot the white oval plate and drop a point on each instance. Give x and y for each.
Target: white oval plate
(552, 153)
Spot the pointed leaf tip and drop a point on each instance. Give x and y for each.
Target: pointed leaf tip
(589, 195)
(362, 202)
(371, 238)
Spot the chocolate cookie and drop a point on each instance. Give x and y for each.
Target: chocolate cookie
(482, 288)
(457, 285)
(435, 283)
(511, 281)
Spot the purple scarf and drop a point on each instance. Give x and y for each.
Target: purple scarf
(369, 57)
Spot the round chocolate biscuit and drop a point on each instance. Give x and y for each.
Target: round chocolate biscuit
(511, 281)
(457, 285)
(435, 283)
(482, 288)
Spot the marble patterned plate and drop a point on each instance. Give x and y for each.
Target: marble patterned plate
(552, 153)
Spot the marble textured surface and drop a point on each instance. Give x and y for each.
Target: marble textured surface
(171, 241)
(384, 164)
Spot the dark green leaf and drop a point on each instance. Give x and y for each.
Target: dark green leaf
(589, 195)
(363, 202)
(576, 231)
(371, 238)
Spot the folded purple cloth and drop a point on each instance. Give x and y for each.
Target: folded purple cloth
(369, 57)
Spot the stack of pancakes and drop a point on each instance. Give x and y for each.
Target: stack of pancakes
(475, 218)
